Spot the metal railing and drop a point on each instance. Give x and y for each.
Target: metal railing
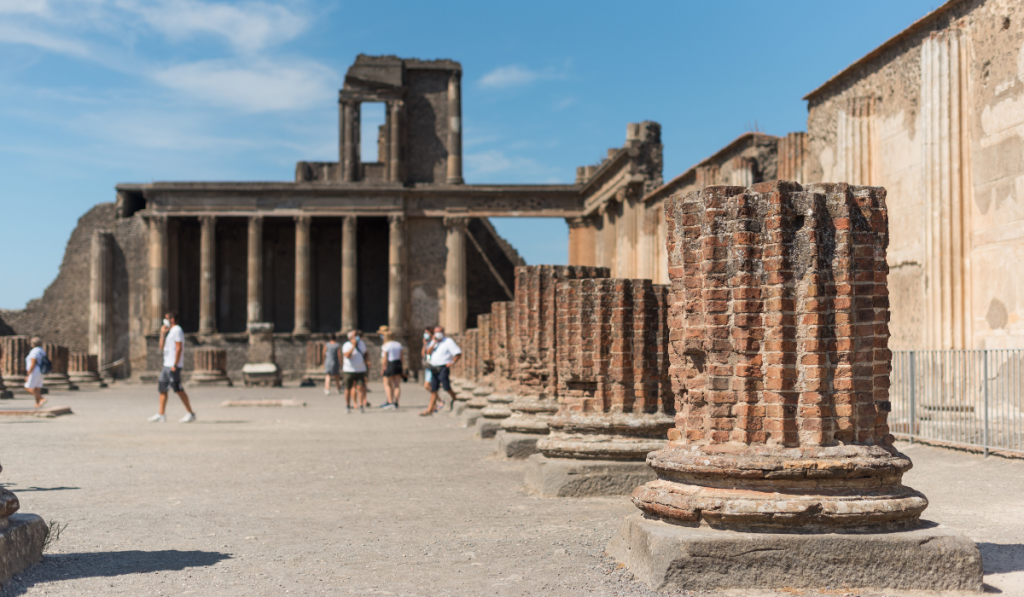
(972, 398)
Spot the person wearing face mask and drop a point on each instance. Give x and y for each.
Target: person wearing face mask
(444, 353)
(354, 367)
(172, 344)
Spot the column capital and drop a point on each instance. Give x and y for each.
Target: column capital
(396, 218)
(456, 221)
(580, 222)
(206, 220)
(303, 220)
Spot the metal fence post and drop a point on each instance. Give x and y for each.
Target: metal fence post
(913, 394)
(984, 394)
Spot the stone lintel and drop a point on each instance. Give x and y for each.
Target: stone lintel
(674, 557)
(567, 477)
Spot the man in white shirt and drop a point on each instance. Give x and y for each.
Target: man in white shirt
(172, 344)
(353, 367)
(444, 353)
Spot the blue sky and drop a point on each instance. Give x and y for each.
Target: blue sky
(96, 92)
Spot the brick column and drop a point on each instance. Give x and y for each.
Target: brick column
(396, 276)
(394, 140)
(157, 272)
(83, 368)
(349, 140)
(582, 241)
(254, 279)
(211, 367)
(455, 313)
(314, 374)
(349, 275)
(57, 378)
(780, 362)
(536, 383)
(302, 275)
(13, 350)
(502, 325)
(101, 297)
(208, 276)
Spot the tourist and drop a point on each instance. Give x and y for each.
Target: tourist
(428, 340)
(391, 368)
(332, 365)
(34, 371)
(172, 344)
(354, 367)
(444, 353)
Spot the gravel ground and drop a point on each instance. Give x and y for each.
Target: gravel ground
(313, 501)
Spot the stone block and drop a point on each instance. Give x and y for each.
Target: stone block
(487, 428)
(21, 543)
(670, 557)
(469, 418)
(516, 445)
(567, 477)
(261, 375)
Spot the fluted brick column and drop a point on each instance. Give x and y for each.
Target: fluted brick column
(396, 276)
(314, 363)
(455, 308)
(83, 369)
(780, 362)
(158, 281)
(254, 279)
(349, 275)
(614, 395)
(211, 367)
(502, 324)
(101, 297)
(13, 350)
(208, 275)
(302, 275)
(57, 378)
(455, 128)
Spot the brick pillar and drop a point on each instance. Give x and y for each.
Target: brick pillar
(349, 276)
(302, 275)
(454, 128)
(614, 395)
(779, 362)
(314, 363)
(501, 325)
(536, 378)
(211, 367)
(57, 378)
(84, 368)
(13, 350)
(208, 275)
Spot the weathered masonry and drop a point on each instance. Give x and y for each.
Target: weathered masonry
(935, 116)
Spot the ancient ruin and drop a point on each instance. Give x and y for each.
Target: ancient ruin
(536, 343)
(780, 365)
(614, 397)
(502, 325)
(21, 536)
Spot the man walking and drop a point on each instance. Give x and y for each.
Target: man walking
(354, 369)
(172, 343)
(443, 354)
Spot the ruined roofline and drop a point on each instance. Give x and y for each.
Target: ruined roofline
(408, 63)
(666, 188)
(277, 185)
(914, 28)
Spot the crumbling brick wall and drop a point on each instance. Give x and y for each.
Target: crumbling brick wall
(613, 346)
(779, 319)
(502, 344)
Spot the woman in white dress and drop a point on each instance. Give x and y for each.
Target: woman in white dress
(391, 368)
(33, 371)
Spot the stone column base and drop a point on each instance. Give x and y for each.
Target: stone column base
(673, 557)
(487, 428)
(209, 378)
(21, 543)
(261, 375)
(59, 381)
(87, 378)
(516, 445)
(568, 477)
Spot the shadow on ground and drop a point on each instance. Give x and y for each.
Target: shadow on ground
(1001, 558)
(69, 566)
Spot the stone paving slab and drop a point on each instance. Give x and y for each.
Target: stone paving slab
(314, 501)
(47, 412)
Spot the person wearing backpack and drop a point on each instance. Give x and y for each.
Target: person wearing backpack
(354, 367)
(37, 364)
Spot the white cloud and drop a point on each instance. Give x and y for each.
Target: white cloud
(36, 7)
(19, 34)
(249, 27)
(259, 86)
(505, 77)
(484, 165)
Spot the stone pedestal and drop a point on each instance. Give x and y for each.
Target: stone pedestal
(21, 537)
(780, 367)
(493, 414)
(261, 368)
(314, 374)
(57, 378)
(211, 367)
(671, 557)
(515, 445)
(568, 477)
(83, 369)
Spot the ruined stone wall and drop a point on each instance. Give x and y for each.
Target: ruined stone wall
(779, 315)
(426, 252)
(61, 315)
(426, 139)
(935, 118)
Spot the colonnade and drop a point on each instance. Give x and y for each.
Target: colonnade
(453, 314)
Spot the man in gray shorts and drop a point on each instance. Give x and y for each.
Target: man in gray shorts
(172, 344)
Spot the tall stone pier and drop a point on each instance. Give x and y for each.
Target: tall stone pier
(780, 369)
(502, 327)
(614, 396)
(21, 536)
(536, 388)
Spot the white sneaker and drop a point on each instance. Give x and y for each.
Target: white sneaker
(157, 419)
(327, 392)
(188, 418)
